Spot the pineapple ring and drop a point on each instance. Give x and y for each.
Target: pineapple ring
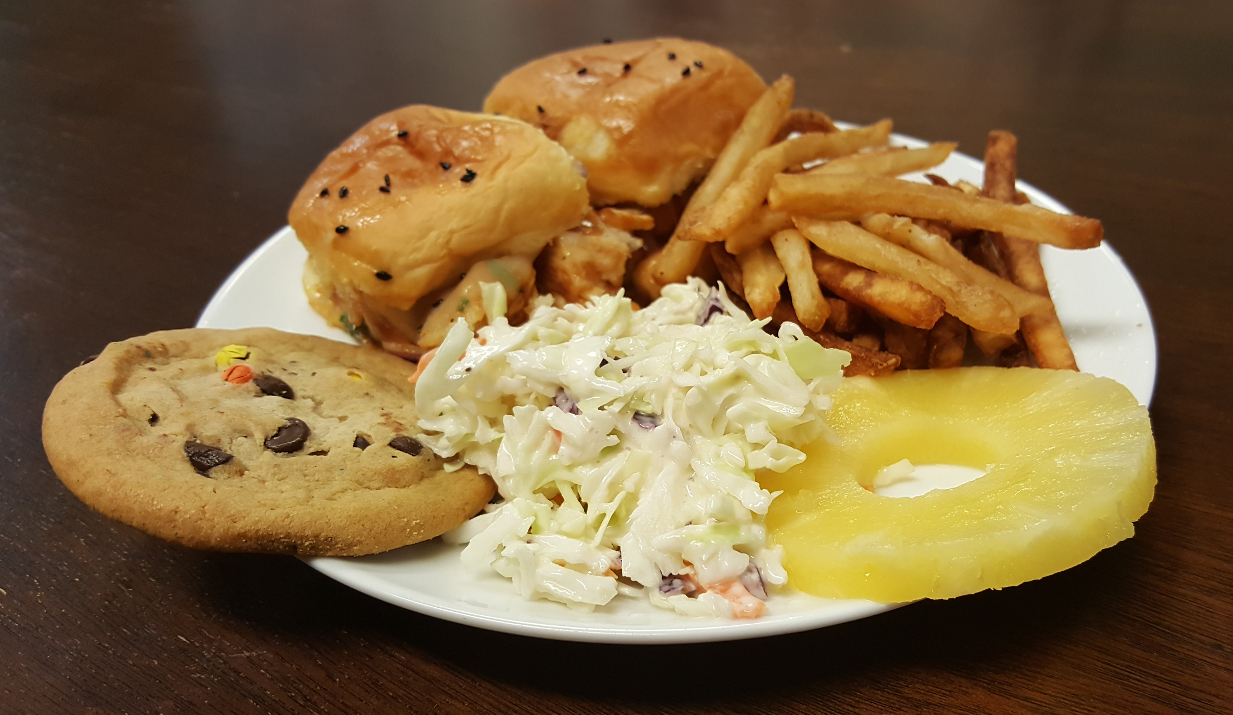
(1070, 464)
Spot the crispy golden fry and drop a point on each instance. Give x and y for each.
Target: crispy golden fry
(729, 269)
(850, 196)
(1042, 331)
(974, 305)
(993, 344)
(868, 361)
(903, 232)
(748, 191)
(967, 187)
(947, 342)
(627, 219)
(803, 121)
(674, 262)
(757, 230)
(846, 317)
(792, 249)
(899, 299)
(888, 161)
(761, 276)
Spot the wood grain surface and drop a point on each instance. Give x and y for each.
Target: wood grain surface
(147, 147)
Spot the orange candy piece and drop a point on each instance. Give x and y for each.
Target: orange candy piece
(238, 374)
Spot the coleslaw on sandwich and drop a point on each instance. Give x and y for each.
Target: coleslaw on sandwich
(625, 443)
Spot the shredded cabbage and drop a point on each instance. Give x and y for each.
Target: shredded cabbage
(625, 442)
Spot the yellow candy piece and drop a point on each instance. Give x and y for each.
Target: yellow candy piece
(230, 354)
(355, 375)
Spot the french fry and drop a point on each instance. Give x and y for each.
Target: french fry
(627, 219)
(757, 230)
(792, 249)
(1042, 331)
(946, 343)
(978, 307)
(967, 187)
(761, 276)
(910, 344)
(850, 196)
(845, 318)
(729, 269)
(993, 344)
(899, 299)
(888, 161)
(803, 121)
(748, 191)
(903, 232)
(674, 262)
(868, 361)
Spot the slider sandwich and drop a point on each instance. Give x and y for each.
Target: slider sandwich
(417, 209)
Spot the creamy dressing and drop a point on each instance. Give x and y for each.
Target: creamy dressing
(625, 444)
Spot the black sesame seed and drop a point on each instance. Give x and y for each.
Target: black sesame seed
(582, 71)
(387, 179)
(468, 177)
(698, 64)
(672, 55)
(438, 303)
(383, 276)
(402, 133)
(628, 67)
(340, 229)
(445, 165)
(342, 193)
(325, 191)
(685, 72)
(539, 108)
(383, 189)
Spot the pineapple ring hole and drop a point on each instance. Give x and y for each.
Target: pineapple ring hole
(909, 458)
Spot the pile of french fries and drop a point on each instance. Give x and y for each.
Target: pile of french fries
(898, 273)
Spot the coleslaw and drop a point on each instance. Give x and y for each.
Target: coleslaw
(625, 444)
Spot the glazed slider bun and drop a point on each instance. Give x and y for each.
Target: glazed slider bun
(647, 118)
(398, 217)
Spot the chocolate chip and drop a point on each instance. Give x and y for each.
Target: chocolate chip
(153, 420)
(410, 445)
(89, 360)
(204, 457)
(361, 442)
(319, 453)
(273, 386)
(289, 438)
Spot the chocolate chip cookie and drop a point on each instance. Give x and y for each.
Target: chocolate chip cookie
(255, 440)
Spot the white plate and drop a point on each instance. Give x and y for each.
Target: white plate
(1100, 306)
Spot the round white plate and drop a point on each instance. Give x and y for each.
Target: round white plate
(1098, 302)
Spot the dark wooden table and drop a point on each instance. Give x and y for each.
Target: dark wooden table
(147, 147)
